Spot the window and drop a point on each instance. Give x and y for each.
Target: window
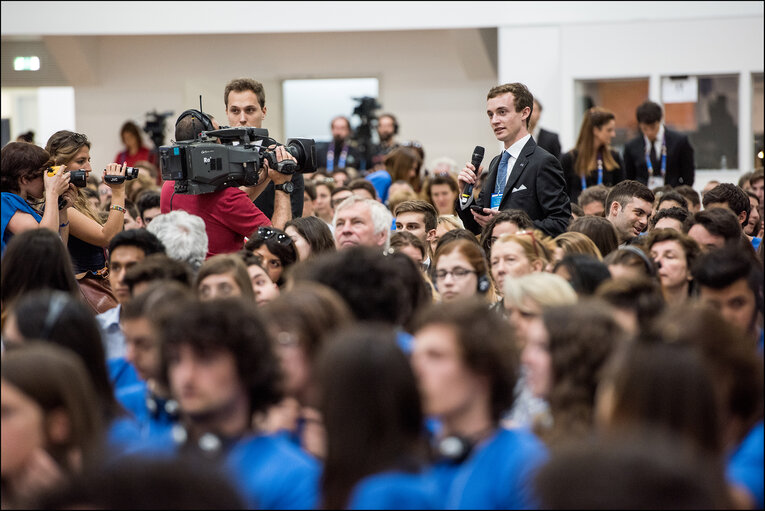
(758, 123)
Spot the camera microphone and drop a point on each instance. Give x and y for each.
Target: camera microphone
(476, 162)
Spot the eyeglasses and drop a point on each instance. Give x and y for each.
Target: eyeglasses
(78, 138)
(457, 273)
(265, 233)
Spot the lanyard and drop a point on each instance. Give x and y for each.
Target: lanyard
(600, 172)
(331, 156)
(649, 164)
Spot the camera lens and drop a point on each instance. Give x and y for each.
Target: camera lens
(79, 178)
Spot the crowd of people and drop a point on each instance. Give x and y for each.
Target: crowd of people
(559, 330)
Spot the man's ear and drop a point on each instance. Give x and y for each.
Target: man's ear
(742, 218)
(59, 426)
(614, 209)
(431, 235)
(264, 112)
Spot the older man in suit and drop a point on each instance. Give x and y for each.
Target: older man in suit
(524, 176)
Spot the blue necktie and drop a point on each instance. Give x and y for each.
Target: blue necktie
(499, 186)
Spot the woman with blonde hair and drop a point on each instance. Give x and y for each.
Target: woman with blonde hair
(592, 161)
(518, 254)
(88, 236)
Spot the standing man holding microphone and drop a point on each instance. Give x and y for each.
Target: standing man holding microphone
(524, 176)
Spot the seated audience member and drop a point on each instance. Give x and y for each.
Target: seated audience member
(441, 191)
(737, 375)
(514, 255)
(221, 350)
(525, 299)
(629, 205)
(671, 199)
(311, 236)
(132, 218)
(148, 205)
(224, 276)
(322, 205)
(362, 188)
(410, 245)
(574, 243)
(339, 194)
(630, 262)
(57, 318)
(150, 403)
(714, 228)
(419, 218)
(674, 254)
(400, 164)
(675, 218)
(576, 211)
(343, 176)
(277, 250)
(263, 287)
(309, 196)
(636, 301)
(35, 260)
(462, 271)
(563, 359)
(183, 235)
(754, 226)
(599, 230)
(399, 192)
(584, 272)
(692, 196)
(504, 222)
(444, 224)
(593, 200)
(95, 201)
(362, 222)
(630, 471)
(710, 184)
(157, 267)
(732, 282)
(143, 183)
(445, 165)
(23, 178)
(145, 484)
(466, 363)
(381, 417)
(52, 427)
(730, 196)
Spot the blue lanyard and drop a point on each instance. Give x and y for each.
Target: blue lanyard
(331, 157)
(648, 162)
(600, 172)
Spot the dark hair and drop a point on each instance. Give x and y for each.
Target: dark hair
(456, 234)
(146, 200)
(644, 469)
(401, 239)
(333, 190)
(90, 193)
(624, 191)
(522, 97)
(585, 149)
(427, 210)
(587, 273)
(689, 193)
(140, 238)
(581, 338)
(399, 162)
(27, 136)
(597, 193)
(316, 233)
(227, 263)
(21, 160)
(634, 257)
(370, 404)
(487, 346)
(56, 317)
(310, 189)
(719, 222)
(191, 125)
(131, 208)
(673, 196)
(35, 260)
(516, 216)
(362, 184)
(599, 230)
(691, 249)
(576, 210)
(144, 483)
(681, 215)
(243, 85)
(648, 113)
(157, 296)
(439, 179)
(279, 244)
(642, 295)
(134, 130)
(724, 266)
(731, 194)
(232, 326)
(158, 267)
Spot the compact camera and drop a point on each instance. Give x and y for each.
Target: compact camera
(130, 173)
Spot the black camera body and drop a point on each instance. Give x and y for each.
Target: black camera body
(130, 173)
(203, 165)
(79, 177)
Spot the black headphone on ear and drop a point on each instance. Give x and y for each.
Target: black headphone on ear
(649, 265)
(483, 284)
(395, 122)
(157, 406)
(209, 444)
(196, 114)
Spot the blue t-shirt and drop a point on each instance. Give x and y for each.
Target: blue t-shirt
(497, 475)
(135, 399)
(745, 465)
(756, 242)
(381, 180)
(122, 374)
(395, 490)
(11, 203)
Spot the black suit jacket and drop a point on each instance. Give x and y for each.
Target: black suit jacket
(535, 185)
(681, 168)
(549, 142)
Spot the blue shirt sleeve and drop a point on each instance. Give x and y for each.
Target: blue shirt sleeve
(394, 490)
(745, 466)
(11, 203)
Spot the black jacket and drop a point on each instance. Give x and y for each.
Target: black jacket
(681, 168)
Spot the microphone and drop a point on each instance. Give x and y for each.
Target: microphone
(476, 161)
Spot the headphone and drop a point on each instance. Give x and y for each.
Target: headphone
(650, 265)
(209, 444)
(395, 122)
(483, 284)
(58, 301)
(156, 407)
(454, 449)
(199, 116)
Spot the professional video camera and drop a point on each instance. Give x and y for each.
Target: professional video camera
(363, 134)
(203, 165)
(155, 126)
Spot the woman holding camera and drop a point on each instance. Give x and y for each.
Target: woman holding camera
(88, 236)
(23, 178)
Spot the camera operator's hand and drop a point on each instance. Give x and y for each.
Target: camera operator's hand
(58, 184)
(276, 176)
(114, 169)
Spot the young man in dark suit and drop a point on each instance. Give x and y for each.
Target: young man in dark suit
(524, 176)
(659, 155)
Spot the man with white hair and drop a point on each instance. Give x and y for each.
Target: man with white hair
(183, 235)
(362, 222)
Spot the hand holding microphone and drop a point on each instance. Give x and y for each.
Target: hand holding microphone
(470, 173)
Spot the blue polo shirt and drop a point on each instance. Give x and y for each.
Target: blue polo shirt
(745, 465)
(395, 490)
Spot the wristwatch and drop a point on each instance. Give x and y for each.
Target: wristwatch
(287, 187)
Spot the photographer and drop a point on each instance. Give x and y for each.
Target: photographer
(229, 214)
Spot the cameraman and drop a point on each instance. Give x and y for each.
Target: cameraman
(245, 101)
(229, 214)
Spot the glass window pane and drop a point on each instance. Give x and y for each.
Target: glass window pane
(758, 119)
